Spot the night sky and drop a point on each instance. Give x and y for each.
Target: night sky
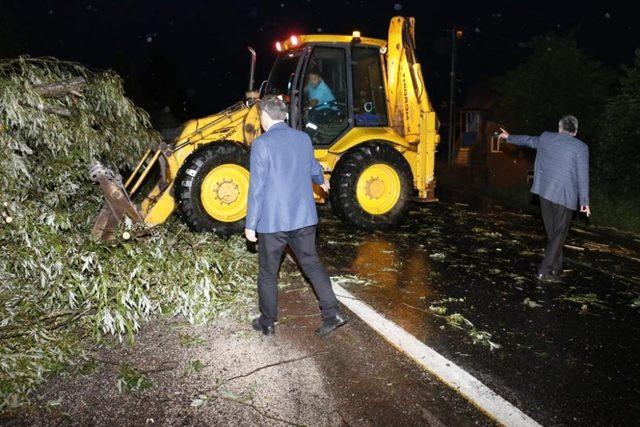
(191, 55)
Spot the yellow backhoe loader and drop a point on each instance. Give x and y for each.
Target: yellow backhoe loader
(374, 131)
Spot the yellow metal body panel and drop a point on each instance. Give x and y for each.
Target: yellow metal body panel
(413, 126)
(158, 211)
(357, 136)
(239, 123)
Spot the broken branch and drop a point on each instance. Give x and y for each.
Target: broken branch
(73, 86)
(258, 410)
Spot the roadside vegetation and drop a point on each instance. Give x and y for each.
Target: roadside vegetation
(60, 288)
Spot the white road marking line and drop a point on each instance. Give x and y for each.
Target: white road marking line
(457, 378)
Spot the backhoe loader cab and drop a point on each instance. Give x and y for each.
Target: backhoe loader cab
(363, 103)
(326, 98)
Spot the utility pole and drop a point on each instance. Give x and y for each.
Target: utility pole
(455, 34)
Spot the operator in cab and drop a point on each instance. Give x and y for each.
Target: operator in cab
(321, 102)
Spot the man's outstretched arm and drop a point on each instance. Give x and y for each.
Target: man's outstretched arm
(522, 140)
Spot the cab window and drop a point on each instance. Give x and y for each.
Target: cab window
(282, 75)
(369, 104)
(324, 95)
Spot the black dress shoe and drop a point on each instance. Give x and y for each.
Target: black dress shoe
(266, 330)
(330, 325)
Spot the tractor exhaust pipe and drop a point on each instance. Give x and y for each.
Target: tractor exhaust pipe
(252, 94)
(252, 73)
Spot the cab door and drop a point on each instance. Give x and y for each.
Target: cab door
(324, 90)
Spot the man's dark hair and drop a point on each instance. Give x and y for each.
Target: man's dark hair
(274, 107)
(569, 124)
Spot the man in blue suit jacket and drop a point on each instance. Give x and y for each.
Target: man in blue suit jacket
(561, 179)
(282, 210)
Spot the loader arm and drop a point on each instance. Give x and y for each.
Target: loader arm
(238, 123)
(410, 110)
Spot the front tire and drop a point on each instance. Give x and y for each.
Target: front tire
(212, 188)
(370, 186)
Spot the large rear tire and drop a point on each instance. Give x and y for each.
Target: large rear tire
(212, 188)
(370, 186)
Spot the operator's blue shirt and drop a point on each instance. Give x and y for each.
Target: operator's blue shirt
(322, 93)
(282, 168)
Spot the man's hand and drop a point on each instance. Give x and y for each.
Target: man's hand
(250, 235)
(504, 134)
(325, 186)
(585, 210)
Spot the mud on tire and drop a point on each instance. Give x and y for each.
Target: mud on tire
(344, 180)
(189, 182)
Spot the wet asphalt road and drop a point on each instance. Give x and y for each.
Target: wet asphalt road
(459, 277)
(372, 383)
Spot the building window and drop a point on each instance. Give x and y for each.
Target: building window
(496, 144)
(472, 121)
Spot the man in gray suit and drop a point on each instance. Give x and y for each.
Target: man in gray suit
(561, 180)
(282, 210)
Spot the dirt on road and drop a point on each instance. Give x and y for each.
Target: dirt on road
(225, 373)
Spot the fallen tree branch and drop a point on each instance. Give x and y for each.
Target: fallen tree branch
(48, 109)
(600, 270)
(48, 328)
(73, 86)
(422, 310)
(258, 410)
(172, 365)
(271, 365)
(54, 90)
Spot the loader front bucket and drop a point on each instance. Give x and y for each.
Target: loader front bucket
(118, 204)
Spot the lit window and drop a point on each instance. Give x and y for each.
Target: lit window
(496, 144)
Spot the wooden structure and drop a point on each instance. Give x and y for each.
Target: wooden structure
(487, 159)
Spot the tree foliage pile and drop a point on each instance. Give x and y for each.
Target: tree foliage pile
(57, 283)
